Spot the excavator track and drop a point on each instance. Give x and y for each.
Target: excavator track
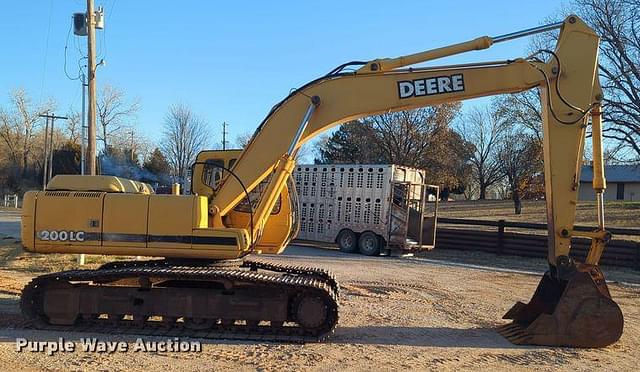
(322, 274)
(226, 264)
(257, 300)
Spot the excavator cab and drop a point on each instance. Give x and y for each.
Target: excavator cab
(209, 172)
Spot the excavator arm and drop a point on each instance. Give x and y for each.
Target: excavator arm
(348, 96)
(572, 305)
(381, 86)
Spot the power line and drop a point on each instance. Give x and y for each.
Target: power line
(113, 5)
(104, 30)
(46, 51)
(75, 98)
(77, 42)
(102, 48)
(66, 44)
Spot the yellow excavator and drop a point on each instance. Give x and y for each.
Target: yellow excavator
(244, 202)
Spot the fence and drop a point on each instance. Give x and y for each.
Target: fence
(11, 201)
(619, 252)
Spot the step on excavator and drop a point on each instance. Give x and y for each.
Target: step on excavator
(243, 201)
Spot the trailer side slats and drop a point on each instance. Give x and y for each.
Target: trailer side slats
(358, 197)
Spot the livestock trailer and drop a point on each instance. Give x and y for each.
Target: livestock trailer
(367, 208)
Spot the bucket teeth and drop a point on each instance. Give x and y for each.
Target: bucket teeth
(515, 333)
(509, 329)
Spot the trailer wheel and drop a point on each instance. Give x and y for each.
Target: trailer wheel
(347, 241)
(369, 244)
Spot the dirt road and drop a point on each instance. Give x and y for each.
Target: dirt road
(395, 314)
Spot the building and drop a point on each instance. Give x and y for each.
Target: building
(623, 183)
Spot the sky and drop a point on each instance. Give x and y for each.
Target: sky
(232, 61)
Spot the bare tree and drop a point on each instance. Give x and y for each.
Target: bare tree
(520, 162)
(304, 154)
(423, 138)
(405, 136)
(618, 24)
(484, 129)
(114, 113)
(19, 127)
(521, 109)
(242, 140)
(185, 135)
(74, 127)
(419, 138)
(134, 142)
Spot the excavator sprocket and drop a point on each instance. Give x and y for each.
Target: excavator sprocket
(578, 312)
(257, 300)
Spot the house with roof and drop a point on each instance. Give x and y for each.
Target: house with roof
(623, 183)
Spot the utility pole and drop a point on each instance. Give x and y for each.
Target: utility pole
(91, 66)
(48, 147)
(92, 21)
(224, 135)
(83, 129)
(51, 149)
(132, 146)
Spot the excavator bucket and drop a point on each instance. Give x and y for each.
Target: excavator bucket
(575, 313)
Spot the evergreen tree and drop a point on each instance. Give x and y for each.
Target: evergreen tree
(157, 167)
(354, 142)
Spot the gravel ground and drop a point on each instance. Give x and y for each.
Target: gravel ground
(430, 313)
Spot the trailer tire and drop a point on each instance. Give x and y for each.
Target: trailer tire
(369, 244)
(347, 241)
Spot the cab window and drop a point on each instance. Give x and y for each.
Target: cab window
(212, 172)
(255, 195)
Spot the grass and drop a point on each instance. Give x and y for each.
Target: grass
(14, 258)
(625, 214)
(617, 213)
(9, 209)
